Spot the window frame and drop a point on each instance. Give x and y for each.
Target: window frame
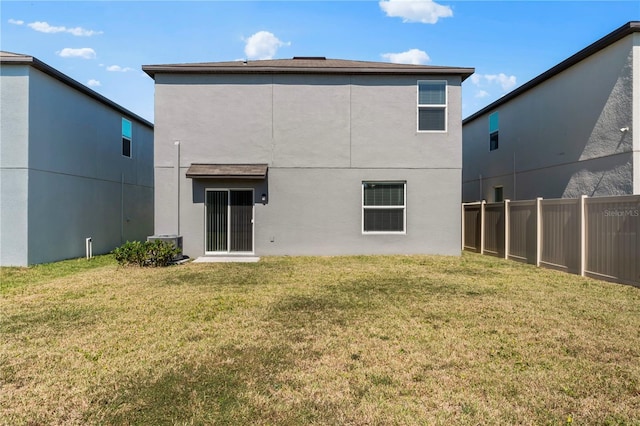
(444, 107)
(496, 189)
(494, 132)
(228, 190)
(403, 207)
(128, 138)
(494, 140)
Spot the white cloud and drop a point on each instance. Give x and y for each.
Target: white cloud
(118, 68)
(506, 82)
(84, 52)
(263, 45)
(423, 11)
(15, 22)
(81, 32)
(44, 27)
(93, 83)
(482, 94)
(412, 56)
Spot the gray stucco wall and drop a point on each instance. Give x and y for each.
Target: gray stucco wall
(321, 137)
(636, 113)
(79, 184)
(562, 138)
(14, 127)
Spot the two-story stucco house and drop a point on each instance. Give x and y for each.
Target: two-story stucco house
(566, 133)
(308, 156)
(73, 165)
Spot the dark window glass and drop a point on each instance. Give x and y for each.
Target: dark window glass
(431, 118)
(126, 147)
(432, 93)
(493, 141)
(384, 194)
(384, 220)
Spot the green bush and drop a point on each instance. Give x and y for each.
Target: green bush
(160, 253)
(147, 253)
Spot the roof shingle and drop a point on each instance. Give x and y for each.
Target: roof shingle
(304, 65)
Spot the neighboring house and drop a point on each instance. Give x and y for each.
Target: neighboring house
(568, 132)
(308, 156)
(73, 165)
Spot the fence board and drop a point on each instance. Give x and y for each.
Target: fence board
(494, 229)
(522, 231)
(472, 228)
(611, 243)
(561, 234)
(613, 238)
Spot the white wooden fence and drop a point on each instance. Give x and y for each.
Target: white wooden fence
(595, 237)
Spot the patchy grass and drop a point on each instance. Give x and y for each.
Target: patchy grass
(315, 340)
(13, 277)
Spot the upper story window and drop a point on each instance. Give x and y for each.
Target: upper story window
(432, 106)
(493, 131)
(384, 207)
(126, 138)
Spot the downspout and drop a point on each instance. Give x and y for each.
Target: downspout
(514, 176)
(121, 208)
(177, 144)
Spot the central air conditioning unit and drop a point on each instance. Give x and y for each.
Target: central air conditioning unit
(176, 240)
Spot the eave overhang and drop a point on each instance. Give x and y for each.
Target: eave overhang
(227, 171)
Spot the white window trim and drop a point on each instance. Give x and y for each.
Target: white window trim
(444, 107)
(403, 207)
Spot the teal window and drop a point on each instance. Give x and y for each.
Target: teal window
(493, 131)
(126, 138)
(432, 106)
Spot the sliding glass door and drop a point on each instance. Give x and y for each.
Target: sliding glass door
(229, 221)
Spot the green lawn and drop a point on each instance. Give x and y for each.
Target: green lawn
(317, 340)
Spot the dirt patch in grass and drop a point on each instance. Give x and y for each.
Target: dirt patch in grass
(329, 340)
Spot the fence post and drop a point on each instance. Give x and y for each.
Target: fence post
(482, 226)
(583, 235)
(538, 230)
(506, 229)
(462, 229)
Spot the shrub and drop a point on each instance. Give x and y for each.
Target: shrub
(160, 253)
(147, 253)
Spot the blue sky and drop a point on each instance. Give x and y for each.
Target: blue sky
(103, 44)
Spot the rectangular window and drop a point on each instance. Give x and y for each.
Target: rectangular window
(126, 138)
(498, 196)
(383, 207)
(126, 147)
(493, 131)
(432, 106)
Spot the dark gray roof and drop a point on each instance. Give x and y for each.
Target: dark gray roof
(9, 58)
(609, 39)
(305, 65)
(227, 171)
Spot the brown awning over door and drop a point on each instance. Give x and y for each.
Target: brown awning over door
(227, 171)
